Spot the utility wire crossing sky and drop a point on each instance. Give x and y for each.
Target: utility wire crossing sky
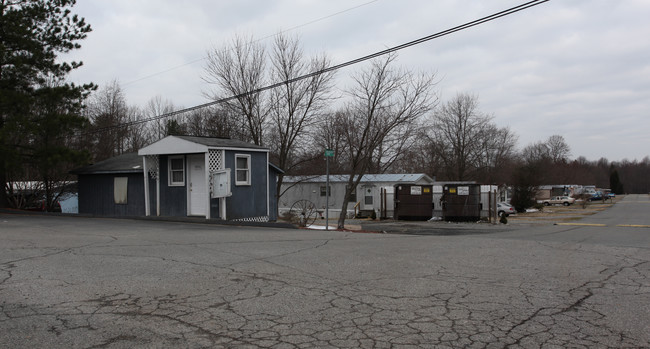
(333, 68)
(580, 69)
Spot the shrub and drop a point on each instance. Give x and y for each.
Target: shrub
(584, 199)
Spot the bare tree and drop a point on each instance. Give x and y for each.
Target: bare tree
(107, 110)
(330, 135)
(464, 138)
(535, 152)
(420, 157)
(558, 149)
(238, 70)
(281, 117)
(214, 121)
(296, 106)
(157, 106)
(554, 150)
(497, 152)
(385, 106)
(138, 133)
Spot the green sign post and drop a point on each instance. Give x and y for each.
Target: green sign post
(328, 154)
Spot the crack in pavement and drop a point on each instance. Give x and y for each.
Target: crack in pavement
(237, 314)
(289, 296)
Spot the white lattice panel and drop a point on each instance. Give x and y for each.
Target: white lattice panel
(153, 166)
(216, 160)
(263, 219)
(215, 163)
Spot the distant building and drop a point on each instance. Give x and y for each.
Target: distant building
(545, 192)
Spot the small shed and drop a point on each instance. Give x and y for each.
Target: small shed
(113, 187)
(182, 176)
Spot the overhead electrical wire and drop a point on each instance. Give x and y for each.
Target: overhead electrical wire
(258, 40)
(332, 68)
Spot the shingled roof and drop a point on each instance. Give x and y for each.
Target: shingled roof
(125, 163)
(220, 142)
(368, 178)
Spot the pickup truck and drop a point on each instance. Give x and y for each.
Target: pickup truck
(559, 200)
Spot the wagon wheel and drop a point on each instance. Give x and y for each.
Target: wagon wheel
(303, 213)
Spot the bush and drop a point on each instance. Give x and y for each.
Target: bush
(584, 199)
(522, 198)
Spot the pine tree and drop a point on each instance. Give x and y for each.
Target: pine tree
(615, 183)
(37, 108)
(525, 185)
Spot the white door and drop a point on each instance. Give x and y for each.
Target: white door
(198, 193)
(368, 198)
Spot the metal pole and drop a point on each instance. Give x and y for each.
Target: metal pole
(490, 214)
(327, 194)
(495, 209)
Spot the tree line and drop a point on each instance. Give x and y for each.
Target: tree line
(388, 119)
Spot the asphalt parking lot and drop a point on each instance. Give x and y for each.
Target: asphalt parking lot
(112, 283)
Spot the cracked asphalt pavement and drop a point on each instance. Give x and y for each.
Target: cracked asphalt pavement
(72, 282)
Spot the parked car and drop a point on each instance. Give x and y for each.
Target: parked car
(505, 209)
(596, 196)
(559, 200)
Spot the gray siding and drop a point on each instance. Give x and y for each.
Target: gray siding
(173, 200)
(96, 195)
(96, 192)
(248, 200)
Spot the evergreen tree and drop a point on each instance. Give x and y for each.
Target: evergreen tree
(174, 128)
(37, 109)
(525, 185)
(615, 183)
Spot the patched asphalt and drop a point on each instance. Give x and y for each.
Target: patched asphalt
(118, 283)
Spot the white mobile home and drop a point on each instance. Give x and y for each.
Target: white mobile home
(374, 193)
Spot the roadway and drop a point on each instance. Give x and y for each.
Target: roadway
(72, 282)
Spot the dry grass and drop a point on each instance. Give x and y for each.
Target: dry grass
(558, 213)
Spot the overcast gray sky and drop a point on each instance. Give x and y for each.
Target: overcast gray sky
(577, 68)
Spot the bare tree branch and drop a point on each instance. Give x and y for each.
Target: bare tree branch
(379, 120)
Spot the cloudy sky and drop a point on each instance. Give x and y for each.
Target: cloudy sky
(576, 68)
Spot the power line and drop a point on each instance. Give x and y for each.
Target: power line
(467, 25)
(254, 41)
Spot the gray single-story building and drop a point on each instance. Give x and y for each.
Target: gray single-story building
(182, 176)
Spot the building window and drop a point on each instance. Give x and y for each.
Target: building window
(120, 194)
(323, 190)
(242, 169)
(176, 171)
